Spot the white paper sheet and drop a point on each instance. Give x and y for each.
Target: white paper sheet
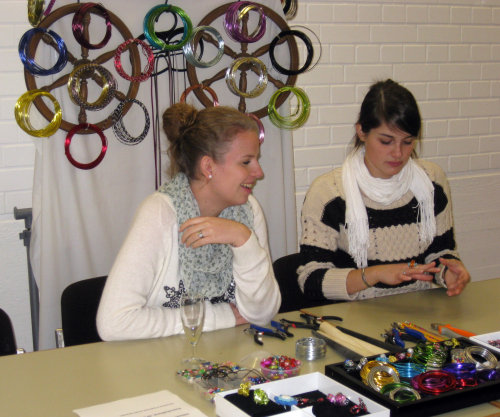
(161, 403)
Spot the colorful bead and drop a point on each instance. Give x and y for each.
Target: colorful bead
(244, 389)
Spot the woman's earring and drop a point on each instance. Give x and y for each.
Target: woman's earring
(209, 176)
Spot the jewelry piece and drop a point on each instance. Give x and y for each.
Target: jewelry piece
(363, 277)
(260, 397)
(209, 176)
(260, 125)
(358, 408)
(200, 234)
(412, 264)
(338, 399)
(285, 400)
(244, 389)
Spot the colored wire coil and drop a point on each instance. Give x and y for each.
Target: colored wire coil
(88, 70)
(35, 11)
(317, 42)
(189, 48)
(202, 87)
(295, 120)
(22, 114)
(151, 35)
(408, 369)
(309, 47)
(404, 394)
(67, 144)
(233, 21)
(262, 132)
(146, 51)
(48, 9)
(119, 129)
(29, 61)
(381, 375)
(490, 360)
(290, 8)
(231, 77)
(365, 370)
(434, 382)
(78, 26)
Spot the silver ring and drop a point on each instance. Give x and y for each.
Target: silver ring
(404, 272)
(200, 234)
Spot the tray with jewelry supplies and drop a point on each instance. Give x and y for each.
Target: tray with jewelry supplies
(303, 395)
(426, 379)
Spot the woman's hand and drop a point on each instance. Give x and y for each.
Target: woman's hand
(394, 274)
(456, 275)
(239, 318)
(200, 231)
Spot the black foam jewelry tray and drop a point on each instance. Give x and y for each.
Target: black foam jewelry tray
(427, 405)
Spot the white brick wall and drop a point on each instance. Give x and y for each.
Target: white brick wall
(448, 54)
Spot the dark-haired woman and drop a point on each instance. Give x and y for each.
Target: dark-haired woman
(201, 232)
(382, 223)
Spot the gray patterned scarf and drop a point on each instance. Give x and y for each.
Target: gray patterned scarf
(207, 270)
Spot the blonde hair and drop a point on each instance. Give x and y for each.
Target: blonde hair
(195, 133)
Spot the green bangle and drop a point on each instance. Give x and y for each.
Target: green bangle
(363, 277)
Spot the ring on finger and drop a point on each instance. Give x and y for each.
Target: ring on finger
(200, 234)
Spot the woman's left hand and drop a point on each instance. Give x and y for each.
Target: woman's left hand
(456, 275)
(200, 231)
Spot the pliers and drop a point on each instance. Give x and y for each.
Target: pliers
(447, 330)
(259, 331)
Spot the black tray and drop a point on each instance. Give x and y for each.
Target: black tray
(427, 406)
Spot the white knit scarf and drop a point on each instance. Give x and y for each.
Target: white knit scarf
(356, 179)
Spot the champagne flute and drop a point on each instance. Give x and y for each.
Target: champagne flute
(193, 316)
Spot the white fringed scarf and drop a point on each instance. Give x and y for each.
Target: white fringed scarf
(356, 179)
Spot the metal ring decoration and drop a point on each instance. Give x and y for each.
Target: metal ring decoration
(189, 49)
(231, 80)
(69, 137)
(490, 360)
(78, 27)
(149, 31)
(35, 11)
(290, 8)
(76, 57)
(294, 120)
(119, 128)
(262, 132)
(307, 42)
(29, 61)
(87, 71)
(233, 19)
(202, 87)
(146, 51)
(318, 41)
(22, 113)
(213, 19)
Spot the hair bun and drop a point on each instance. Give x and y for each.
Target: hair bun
(177, 119)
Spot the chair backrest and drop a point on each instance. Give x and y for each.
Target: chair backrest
(292, 297)
(7, 338)
(79, 303)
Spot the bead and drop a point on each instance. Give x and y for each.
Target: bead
(244, 389)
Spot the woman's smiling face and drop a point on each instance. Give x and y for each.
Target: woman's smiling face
(387, 150)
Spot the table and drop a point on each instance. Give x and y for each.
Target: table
(55, 382)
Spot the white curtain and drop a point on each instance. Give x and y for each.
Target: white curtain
(80, 217)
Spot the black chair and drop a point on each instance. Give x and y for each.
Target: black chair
(79, 303)
(7, 338)
(292, 297)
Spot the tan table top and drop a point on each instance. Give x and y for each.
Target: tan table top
(55, 382)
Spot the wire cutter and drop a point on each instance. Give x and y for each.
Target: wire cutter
(306, 314)
(259, 331)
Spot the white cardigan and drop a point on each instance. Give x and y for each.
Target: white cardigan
(131, 306)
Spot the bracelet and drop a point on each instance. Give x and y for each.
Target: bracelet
(363, 277)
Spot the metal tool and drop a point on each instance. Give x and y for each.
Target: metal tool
(318, 317)
(447, 330)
